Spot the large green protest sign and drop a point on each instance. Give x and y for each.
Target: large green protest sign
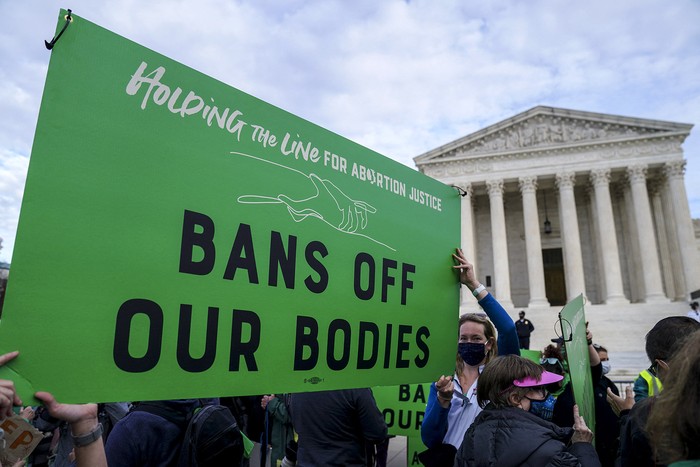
(573, 326)
(181, 238)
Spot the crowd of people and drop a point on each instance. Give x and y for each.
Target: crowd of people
(496, 409)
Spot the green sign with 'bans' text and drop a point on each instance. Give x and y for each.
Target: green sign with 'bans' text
(180, 238)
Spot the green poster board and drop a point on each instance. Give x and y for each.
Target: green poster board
(573, 327)
(180, 238)
(534, 355)
(403, 407)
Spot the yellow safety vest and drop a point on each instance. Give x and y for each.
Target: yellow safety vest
(653, 383)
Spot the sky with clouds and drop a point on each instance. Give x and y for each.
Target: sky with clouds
(400, 77)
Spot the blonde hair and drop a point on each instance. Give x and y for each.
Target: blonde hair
(489, 333)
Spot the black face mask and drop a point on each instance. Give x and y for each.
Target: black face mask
(472, 353)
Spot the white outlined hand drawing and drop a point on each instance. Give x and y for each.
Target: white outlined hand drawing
(328, 204)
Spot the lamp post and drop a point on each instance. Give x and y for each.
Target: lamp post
(547, 224)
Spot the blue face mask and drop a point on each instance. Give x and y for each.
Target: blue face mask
(544, 408)
(472, 353)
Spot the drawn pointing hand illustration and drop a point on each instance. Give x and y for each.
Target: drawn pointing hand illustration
(329, 204)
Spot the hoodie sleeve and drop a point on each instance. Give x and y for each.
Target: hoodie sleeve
(434, 425)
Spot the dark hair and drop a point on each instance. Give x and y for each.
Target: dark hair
(599, 348)
(551, 351)
(674, 423)
(667, 336)
(693, 305)
(496, 381)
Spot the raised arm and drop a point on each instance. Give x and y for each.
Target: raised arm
(507, 336)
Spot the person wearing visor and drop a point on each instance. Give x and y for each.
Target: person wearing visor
(510, 430)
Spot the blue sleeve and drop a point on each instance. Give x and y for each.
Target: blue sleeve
(507, 336)
(434, 425)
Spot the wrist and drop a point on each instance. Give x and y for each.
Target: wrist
(84, 438)
(83, 426)
(478, 289)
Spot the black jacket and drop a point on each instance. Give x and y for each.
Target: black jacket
(334, 425)
(635, 449)
(513, 437)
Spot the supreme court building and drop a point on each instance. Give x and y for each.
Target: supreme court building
(558, 203)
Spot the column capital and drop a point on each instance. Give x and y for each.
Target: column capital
(656, 185)
(565, 180)
(675, 169)
(637, 173)
(600, 177)
(528, 184)
(495, 187)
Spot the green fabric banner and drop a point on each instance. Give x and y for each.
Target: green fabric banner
(573, 327)
(180, 238)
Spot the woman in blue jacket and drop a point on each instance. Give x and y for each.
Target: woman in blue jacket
(452, 405)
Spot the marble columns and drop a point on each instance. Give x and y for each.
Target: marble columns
(573, 260)
(607, 237)
(501, 268)
(533, 242)
(649, 258)
(684, 227)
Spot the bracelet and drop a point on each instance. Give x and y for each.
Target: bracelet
(86, 439)
(446, 399)
(478, 290)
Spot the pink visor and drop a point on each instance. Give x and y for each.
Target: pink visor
(545, 378)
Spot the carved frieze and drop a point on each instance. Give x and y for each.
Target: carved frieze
(543, 130)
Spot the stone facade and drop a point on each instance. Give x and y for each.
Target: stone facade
(611, 190)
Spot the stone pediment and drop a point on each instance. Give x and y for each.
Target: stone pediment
(544, 128)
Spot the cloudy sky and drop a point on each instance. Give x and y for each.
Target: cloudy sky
(400, 77)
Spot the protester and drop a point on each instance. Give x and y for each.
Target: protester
(451, 406)
(333, 427)
(146, 437)
(154, 433)
(607, 422)
(507, 433)
(674, 422)
(663, 341)
(282, 430)
(524, 328)
(85, 429)
(657, 349)
(694, 311)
